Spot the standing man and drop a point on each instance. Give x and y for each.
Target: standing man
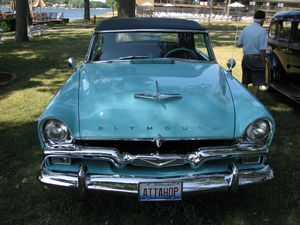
(253, 39)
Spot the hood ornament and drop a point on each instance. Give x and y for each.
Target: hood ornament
(158, 141)
(159, 162)
(159, 96)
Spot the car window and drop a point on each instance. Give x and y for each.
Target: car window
(200, 44)
(145, 36)
(97, 44)
(125, 45)
(297, 39)
(284, 30)
(272, 30)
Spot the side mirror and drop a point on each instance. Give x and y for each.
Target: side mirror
(72, 63)
(230, 64)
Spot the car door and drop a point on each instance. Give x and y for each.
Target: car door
(294, 56)
(282, 50)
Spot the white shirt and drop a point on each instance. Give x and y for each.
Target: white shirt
(253, 39)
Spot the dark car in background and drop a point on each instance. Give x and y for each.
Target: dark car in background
(284, 54)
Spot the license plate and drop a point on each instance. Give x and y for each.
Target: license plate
(157, 191)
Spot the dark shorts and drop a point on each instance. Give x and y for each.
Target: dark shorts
(253, 70)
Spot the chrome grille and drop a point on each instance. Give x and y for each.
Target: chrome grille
(148, 147)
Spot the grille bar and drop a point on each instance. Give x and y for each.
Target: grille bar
(147, 147)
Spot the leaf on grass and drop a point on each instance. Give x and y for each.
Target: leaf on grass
(24, 180)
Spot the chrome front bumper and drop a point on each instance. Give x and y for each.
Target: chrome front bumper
(128, 184)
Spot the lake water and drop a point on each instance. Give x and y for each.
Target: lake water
(72, 14)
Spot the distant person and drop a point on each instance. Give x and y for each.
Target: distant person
(94, 19)
(1, 33)
(253, 39)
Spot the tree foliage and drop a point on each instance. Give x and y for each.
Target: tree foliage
(112, 4)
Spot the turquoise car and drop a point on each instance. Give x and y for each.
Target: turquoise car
(150, 112)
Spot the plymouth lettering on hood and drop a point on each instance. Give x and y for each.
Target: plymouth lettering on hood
(166, 128)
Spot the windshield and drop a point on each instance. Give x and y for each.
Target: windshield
(137, 45)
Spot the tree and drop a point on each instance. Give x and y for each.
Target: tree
(126, 8)
(21, 20)
(113, 4)
(211, 2)
(87, 10)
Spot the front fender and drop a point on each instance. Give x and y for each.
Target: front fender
(247, 108)
(63, 107)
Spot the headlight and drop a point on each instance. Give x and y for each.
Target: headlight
(55, 132)
(258, 131)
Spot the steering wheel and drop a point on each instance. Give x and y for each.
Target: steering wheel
(192, 53)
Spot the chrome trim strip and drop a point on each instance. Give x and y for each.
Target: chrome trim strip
(129, 184)
(195, 159)
(285, 93)
(151, 30)
(109, 138)
(234, 177)
(70, 146)
(91, 44)
(175, 59)
(82, 175)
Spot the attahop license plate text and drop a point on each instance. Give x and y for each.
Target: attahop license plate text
(160, 191)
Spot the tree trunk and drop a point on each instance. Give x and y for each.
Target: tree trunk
(210, 10)
(228, 10)
(29, 18)
(126, 8)
(87, 15)
(21, 20)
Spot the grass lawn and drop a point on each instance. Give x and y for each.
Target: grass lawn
(41, 68)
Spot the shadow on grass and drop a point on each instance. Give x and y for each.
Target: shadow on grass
(260, 205)
(25, 201)
(43, 61)
(224, 26)
(222, 39)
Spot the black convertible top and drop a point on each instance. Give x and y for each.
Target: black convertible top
(294, 14)
(147, 23)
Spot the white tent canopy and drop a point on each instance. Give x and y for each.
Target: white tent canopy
(147, 4)
(236, 5)
(168, 5)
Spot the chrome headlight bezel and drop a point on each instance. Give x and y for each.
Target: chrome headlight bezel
(259, 131)
(56, 132)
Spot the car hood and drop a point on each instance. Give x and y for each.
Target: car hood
(108, 107)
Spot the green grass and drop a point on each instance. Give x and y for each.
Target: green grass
(41, 68)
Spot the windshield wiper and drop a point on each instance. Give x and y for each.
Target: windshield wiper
(133, 57)
(126, 58)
